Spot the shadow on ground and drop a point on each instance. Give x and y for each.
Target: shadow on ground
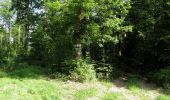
(129, 82)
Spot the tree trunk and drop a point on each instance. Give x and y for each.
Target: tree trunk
(78, 47)
(26, 36)
(77, 35)
(9, 38)
(119, 47)
(19, 37)
(27, 4)
(1, 41)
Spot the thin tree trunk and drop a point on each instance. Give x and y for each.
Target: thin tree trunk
(119, 48)
(19, 37)
(9, 38)
(1, 41)
(26, 26)
(26, 37)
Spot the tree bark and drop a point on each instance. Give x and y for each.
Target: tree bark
(78, 48)
(19, 37)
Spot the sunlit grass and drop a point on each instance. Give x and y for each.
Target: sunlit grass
(134, 86)
(112, 96)
(107, 84)
(30, 83)
(28, 89)
(85, 93)
(26, 83)
(163, 97)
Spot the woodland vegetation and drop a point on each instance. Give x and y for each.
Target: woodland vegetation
(84, 41)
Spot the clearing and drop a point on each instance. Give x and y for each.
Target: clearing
(28, 84)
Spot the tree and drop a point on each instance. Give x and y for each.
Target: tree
(7, 18)
(27, 16)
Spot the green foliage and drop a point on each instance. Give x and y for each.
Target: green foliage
(116, 73)
(50, 54)
(3, 74)
(107, 71)
(132, 35)
(26, 72)
(84, 94)
(5, 12)
(23, 70)
(82, 71)
(162, 77)
(104, 71)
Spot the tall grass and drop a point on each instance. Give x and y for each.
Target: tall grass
(84, 94)
(25, 83)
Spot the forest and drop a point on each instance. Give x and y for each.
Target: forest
(84, 49)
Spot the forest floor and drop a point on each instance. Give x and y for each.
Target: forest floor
(25, 85)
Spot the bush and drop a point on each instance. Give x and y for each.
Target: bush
(82, 71)
(116, 73)
(104, 71)
(162, 77)
(3, 74)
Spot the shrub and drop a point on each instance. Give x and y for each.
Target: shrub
(107, 71)
(82, 71)
(162, 77)
(103, 71)
(116, 73)
(2, 74)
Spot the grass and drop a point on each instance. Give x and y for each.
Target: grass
(27, 83)
(28, 89)
(107, 84)
(133, 84)
(112, 96)
(84, 94)
(162, 97)
(31, 83)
